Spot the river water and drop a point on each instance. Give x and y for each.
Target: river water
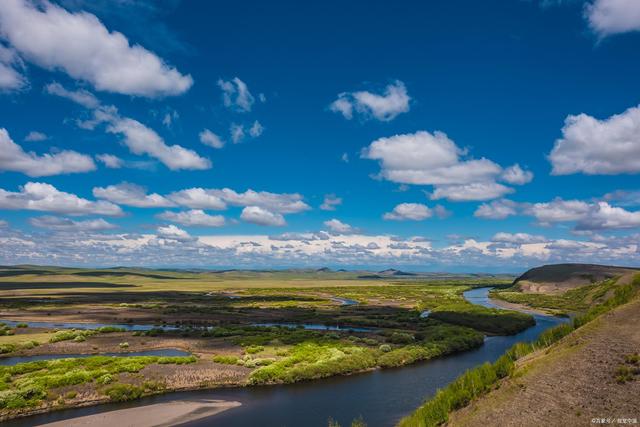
(381, 397)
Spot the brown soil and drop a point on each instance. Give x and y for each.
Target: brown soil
(569, 384)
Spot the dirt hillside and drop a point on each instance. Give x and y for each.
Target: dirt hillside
(558, 278)
(572, 383)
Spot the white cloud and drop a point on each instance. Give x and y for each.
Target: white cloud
(330, 202)
(10, 78)
(110, 161)
(13, 158)
(256, 129)
(345, 157)
(339, 227)
(218, 199)
(598, 147)
(587, 216)
(261, 216)
(516, 175)
(38, 196)
(498, 209)
(197, 198)
(475, 191)
(518, 238)
(193, 218)
(55, 223)
(429, 159)
(170, 117)
(558, 210)
(237, 133)
(80, 45)
(35, 136)
(274, 202)
(142, 140)
(172, 232)
(79, 96)
(211, 139)
(236, 95)
(607, 17)
(414, 212)
(385, 107)
(603, 216)
(131, 195)
(423, 158)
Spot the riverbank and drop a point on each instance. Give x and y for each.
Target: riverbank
(155, 415)
(577, 380)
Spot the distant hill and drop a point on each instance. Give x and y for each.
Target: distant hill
(557, 278)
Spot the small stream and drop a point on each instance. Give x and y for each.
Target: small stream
(83, 325)
(382, 397)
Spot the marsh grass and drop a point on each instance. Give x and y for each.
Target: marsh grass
(28, 384)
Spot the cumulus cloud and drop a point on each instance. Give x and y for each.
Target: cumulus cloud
(261, 216)
(55, 223)
(37, 196)
(13, 158)
(197, 198)
(81, 46)
(497, 209)
(474, 191)
(518, 238)
(110, 161)
(607, 17)
(80, 96)
(516, 175)
(414, 212)
(141, 139)
(10, 78)
(385, 107)
(172, 232)
(236, 95)
(211, 139)
(339, 227)
(586, 215)
(193, 218)
(131, 195)
(35, 136)
(330, 202)
(423, 158)
(598, 147)
(256, 129)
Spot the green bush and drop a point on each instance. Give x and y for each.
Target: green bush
(123, 392)
(225, 359)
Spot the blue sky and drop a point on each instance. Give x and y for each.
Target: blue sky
(456, 135)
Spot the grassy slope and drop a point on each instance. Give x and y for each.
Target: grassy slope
(623, 336)
(570, 383)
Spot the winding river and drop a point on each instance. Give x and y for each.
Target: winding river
(381, 397)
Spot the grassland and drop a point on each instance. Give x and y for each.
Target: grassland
(215, 316)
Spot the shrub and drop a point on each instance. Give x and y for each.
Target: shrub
(123, 392)
(124, 345)
(226, 360)
(22, 325)
(401, 338)
(385, 348)
(253, 349)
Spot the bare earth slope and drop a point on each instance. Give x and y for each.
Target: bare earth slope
(559, 278)
(570, 385)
